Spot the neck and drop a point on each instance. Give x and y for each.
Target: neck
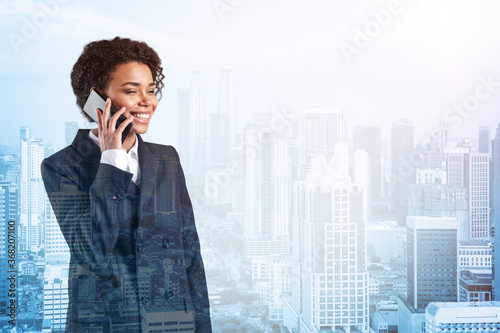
(127, 144)
(129, 141)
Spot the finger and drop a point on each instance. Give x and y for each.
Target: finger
(99, 121)
(123, 125)
(114, 118)
(105, 118)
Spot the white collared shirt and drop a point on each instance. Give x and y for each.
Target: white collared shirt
(121, 159)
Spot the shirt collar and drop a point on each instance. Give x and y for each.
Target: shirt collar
(132, 151)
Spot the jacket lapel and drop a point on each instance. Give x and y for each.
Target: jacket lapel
(148, 175)
(85, 146)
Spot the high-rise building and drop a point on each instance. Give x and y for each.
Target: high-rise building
(319, 130)
(329, 273)
(361, 176)
(475, 255)
(24, 133)
(484, 139)
(55, 244)
(471, 170)
(32, 193)
(402, 166)
(55, 296)
(172, 318)
(267, 179)
(226, 98)
(218, 189)
(222, 123)
(56, 275)
(462, 317)
(437, 200)
(196, 161)
(54, 239)
(432, 264)
(368, 138)
(183, 135)
(495, 211)
(279, 285)
(220, 140)
(8, 235)
(238, 180)
(258, 205)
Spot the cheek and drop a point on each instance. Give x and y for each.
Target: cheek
(126, 103)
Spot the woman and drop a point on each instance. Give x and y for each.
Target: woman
(124, 208)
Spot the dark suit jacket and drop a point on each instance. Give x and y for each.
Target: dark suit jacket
(135, 254)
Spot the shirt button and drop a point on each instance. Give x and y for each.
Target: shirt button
(166, 243)
(117, 200)
(121, 188)
(140, 246)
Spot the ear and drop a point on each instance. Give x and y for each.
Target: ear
(94, 88)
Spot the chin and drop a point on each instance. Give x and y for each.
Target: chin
(139, 129)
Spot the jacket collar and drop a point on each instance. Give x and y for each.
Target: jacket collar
(85, 146)
(147, 169)
(92, 153)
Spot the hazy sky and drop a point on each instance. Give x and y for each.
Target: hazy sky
(379, 61)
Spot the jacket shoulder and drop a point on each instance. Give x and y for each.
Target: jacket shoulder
(76, 165)
(60, 159)
(159, 149)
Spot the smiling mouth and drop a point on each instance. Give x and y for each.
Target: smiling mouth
(140, 115)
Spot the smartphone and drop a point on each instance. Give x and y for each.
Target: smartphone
(97, 100)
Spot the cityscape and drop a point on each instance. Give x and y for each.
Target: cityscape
(306, 224)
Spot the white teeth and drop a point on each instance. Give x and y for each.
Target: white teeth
(141, 115)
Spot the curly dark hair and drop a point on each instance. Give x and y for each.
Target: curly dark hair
(100, 59)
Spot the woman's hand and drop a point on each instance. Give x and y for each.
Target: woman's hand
(109, 136)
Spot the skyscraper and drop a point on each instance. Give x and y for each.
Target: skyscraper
(484, 139)
(226, 102)
(495, 212)
(471, 170)
(24, 133)
(432, 264)
(402, 167)
(220, 140)
(55, 244)
(437, 200)
(267, 179)
(32, 192)
(319, 130)
(183, 136)
(329, 273)
(368, 138)
(55, 295)
(8, 212)
(196, 161)
(361, 176)
(56, 274)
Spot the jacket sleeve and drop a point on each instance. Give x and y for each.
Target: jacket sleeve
(193, 260)
(89, 219)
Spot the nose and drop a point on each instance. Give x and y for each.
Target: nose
(146, 100)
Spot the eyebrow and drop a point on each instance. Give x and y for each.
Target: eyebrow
(137, 84)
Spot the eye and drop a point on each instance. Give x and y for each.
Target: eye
(129, 92)
(151, 91)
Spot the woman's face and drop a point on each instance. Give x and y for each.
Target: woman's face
(132, 87)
